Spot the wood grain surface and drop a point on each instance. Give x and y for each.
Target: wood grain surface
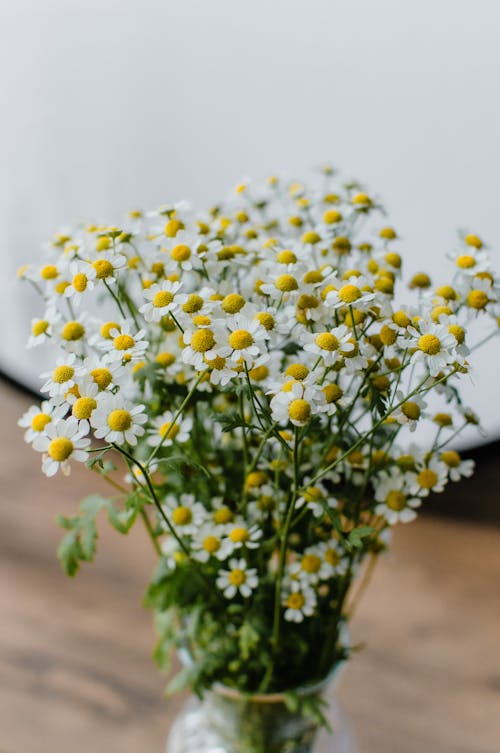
(75, 667)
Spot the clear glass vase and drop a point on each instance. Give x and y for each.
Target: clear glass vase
(227, 722)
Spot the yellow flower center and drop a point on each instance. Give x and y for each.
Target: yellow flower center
(84, 407)
(451, 458)
(211, 544)
(237, 577)
(60, 449)
(458, 333)
(286, 283)
(169, 429)
(332, 393)
(295, 601)
(172, 228)
(349, 293)
(411, 410)
(102, 377)
(427, 478)
(194, 303)
(202, 340)
(465, 261)
(477, 299)
(40, 421)
(119, 420)
(239, 535)
(267, 320)
(103, 268)
(223, 515)
(232, 303)
(102, 243)
(255, 479)
(313, 494)
(331, 216)
(181, 252)
(401, 319)
(297, 371)
(446, 292)
(443, 419)
(80, 282)
(310, 563)
(106, 328)
(299, 410)
(332, 557)
(49, 272)
(123, 342)
(361, 199)
(286, 257)
(429, 344)
(182, 516)
(240, 339)
(388, 335)
(327, 341)
(473, 240)
(73, 331)
(259, 373)
(39, 327)
(396, 500)
(165, 359)
(311, 237)
(63, 374)
(162, 298)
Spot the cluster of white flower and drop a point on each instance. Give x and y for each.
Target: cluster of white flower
(279, 314)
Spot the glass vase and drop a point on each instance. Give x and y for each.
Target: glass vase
(225, 721)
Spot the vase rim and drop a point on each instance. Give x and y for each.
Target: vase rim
(279, 697)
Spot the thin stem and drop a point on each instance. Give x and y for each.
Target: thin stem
(176, 416)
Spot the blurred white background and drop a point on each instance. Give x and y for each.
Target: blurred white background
(113, 104)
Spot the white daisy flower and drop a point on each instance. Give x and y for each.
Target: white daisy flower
(334, 561)
(435, 346)
(317, 498)
(165, 432)
(125, 345)
(457, 468)
(238, 580)
(202, 343)
(240, 535)
(293, 404)
(42, 330)
(431, 477)
(329, 343)
(84, 402)
(106, 375)
(107, 265)
(245, 340)
(82, 275)
(309, 568)
(62, 378)
(37, 417)
(185, 513)
(397, 503)
(410, 412)
(118, 420)
(163, 298)
(61, 442)
(299, 601)
(351, 292)
(209, 541)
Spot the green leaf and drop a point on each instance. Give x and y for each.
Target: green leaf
(357, 535)
(69, 554)
(292, 701)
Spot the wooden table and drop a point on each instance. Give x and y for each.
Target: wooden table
(75, 667)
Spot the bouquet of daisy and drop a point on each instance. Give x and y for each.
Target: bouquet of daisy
(247, 379)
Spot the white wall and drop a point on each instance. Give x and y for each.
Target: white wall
(110, 104)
